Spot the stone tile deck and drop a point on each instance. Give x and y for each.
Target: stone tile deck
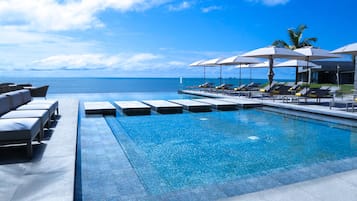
(50, 174)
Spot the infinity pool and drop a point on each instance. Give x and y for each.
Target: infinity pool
(171, 152)
(204, 156)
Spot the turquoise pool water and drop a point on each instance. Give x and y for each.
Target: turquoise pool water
(175, 152)
(203, 156)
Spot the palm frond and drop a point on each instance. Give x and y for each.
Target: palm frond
(280, 43)
(293, 38)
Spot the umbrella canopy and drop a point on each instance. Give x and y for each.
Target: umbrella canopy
(197, 63)
(349, 49)
(312, 53)
(297, 63)
(239, 60)
(271, 53)
(214, 62)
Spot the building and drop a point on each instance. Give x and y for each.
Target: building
(328, 72)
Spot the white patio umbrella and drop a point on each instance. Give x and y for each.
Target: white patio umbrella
(297, 63)
(239, 60)
(271, 53)
(215, 62)
(311, 53)
(349, 49)
(198, 64)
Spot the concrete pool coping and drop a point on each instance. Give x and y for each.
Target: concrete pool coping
(309, 108)
(340, 186)
(50, 174)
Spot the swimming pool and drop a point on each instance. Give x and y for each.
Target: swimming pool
(233, 152)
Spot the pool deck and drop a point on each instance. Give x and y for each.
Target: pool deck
(50, 174)
(309, 107)
(340, 186)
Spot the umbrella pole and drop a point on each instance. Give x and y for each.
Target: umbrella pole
(308, 72)
(296, 74)
(240, 74)
(355, 80)
(204, 74)
(271, 72)
(250, 75)
(220, 74)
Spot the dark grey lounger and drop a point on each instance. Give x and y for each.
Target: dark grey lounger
(22, 130)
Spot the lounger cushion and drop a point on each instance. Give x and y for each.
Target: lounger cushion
(16, 99)
(26, 95)
(4, 104)
(36, 107)
(42, 114)
(19, 129)
(52, 103)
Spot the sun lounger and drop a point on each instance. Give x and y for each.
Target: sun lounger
(7, 113)
(268, 88)
(224, 86)
(18, 131)
(206, 85)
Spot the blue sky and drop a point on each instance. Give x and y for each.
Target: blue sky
(157, 38)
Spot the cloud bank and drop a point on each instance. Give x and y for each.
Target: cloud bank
(52, 15)
(126, 62)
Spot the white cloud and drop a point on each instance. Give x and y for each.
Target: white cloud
(182, 6)
(271, 2)
(127, 62)
(51, 15)
(210, 8)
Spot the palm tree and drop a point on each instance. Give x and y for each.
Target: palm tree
(296, 40)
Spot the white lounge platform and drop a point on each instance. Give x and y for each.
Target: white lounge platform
(131, 108)
(163, 106)
(244, 103)
(192, 105)
(104, 108)
(219, 104)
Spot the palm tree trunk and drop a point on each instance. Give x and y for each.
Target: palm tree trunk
(296, 74)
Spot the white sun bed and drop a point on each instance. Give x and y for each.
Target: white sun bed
(133, 107)
(163, 106)
(219, 104)
(192, 105)
(104, 108)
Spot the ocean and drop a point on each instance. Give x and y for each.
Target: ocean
(120, 85)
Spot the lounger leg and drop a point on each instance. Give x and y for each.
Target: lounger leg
(42, 133)
(29, 149)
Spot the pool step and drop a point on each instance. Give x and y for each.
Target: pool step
(163, 106)
(144, 107)
(104, 108)
(219, 104)
(192, 105)
(131, 108)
